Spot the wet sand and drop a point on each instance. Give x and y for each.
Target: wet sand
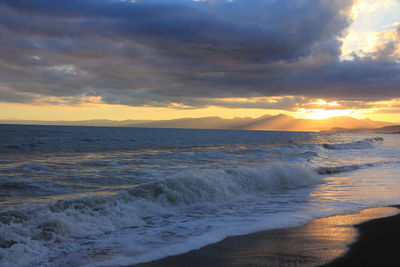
(378, 244)
(317, 243)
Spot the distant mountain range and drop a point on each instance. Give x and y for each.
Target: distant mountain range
(267, 123)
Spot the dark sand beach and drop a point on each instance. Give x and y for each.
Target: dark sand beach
(331, 241)
(377, 244)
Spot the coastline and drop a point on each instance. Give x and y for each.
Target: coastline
(342, 240)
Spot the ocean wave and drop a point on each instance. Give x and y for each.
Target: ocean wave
(30, 235)
(339, 169)
(195, 186)
(362, 144)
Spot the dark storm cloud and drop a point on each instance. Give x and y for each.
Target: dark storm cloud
(161, 52)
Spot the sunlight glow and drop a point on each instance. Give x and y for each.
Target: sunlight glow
(323, 102)
(92, 107)
(320, 114)
(371, 19)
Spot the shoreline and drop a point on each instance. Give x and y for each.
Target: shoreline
(377, 244)
(341, 240)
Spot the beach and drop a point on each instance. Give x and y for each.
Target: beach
(377, 244)
(367, 238)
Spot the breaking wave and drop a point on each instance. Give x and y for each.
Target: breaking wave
(339, 169)
(362, 144)
(27, 234)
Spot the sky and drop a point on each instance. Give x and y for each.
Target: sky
(167, 59)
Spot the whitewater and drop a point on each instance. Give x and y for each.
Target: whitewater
(98, 196)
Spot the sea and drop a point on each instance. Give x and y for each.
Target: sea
(102, 196)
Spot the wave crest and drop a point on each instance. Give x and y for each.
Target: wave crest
(362, 144)
(191, 187)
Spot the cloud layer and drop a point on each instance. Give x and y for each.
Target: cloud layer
(190, 53)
